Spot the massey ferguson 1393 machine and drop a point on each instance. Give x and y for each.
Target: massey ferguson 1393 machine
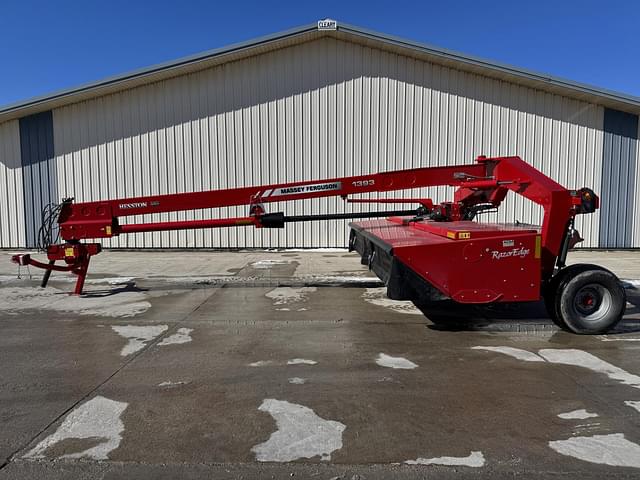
(431, 255)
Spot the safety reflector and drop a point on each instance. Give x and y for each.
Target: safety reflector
(459, 235)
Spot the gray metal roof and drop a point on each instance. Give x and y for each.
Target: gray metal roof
(309, 32)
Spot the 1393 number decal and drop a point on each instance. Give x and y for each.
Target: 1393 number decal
(363, 183)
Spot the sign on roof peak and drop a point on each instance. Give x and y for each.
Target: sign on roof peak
(327, 24)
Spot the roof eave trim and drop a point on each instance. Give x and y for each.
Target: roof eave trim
(12, 110)
(492, 65)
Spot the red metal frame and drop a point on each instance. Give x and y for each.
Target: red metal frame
(485, 182)
(469, 262)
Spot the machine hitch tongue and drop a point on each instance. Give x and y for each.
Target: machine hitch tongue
(425, 254)
(75, 255)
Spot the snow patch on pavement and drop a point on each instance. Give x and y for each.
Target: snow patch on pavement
(122, 304)
(577, 415)
(99, 418)
(183, 335)
(301, 434)
(580, 358)
(385, 360)
(110, 280)
(268, 264)
(138, 336)
(169, 384)
(574, 357)
(606, 338)
(316, 250)
(293, 361)
(512, 352)
(613, 449)
(95, 281)
(261, 363)
(378, 296)
(285, 295)
(340, 279)
(474, 459)
(633, 404)
(301, 361)
(8, 278)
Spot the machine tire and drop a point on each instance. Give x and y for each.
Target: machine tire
(555, 284)
(589, 300)
(549, 297)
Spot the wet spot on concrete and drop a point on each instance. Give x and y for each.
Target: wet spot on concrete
(285, 295)
(297, 380)
(92, 430)
(301, 434)
(474, 459)
(121, 304)
(378, 296)
(183, 335)
(388, 361)
(301, 361)
(613, 449)
(580, 358)
(577, 415)
(138, 336)
(512, 352)
(633, 404)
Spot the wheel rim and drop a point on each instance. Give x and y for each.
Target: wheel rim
(592, 302)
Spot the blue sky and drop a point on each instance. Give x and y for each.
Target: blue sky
(49, 45)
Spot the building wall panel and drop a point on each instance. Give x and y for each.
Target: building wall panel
(317, 110)
(12, 219)
(618, 192)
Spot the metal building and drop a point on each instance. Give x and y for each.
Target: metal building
(315, 102)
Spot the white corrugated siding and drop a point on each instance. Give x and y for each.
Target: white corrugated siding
(317, 110)
(12, 225)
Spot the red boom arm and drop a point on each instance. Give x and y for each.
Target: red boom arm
(99, 219)
(483, 183)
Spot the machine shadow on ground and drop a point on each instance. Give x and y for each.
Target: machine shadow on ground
(451, 316)
(108, 292)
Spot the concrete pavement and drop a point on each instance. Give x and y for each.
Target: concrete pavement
(265, 365)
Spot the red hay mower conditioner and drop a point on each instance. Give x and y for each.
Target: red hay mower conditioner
(432, 255)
